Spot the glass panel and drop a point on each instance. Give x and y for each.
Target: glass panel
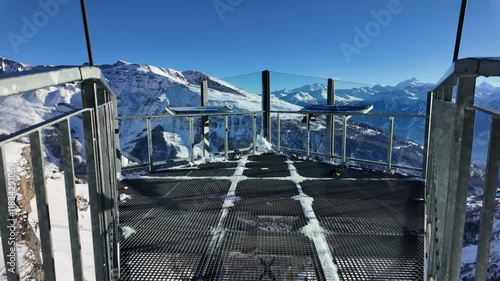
(405, 151)
(367, 142)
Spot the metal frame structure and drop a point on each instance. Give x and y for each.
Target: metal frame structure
(100, 137)
(449, 159)
(448, 145)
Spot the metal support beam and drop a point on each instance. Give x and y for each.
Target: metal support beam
(116, 127)
(389, 144)
(94, 194)
(279, 131)
(266, 105)
(254, 132)
(71, 203)
(226, 137)
(150, 144)
(308, 136)
(463, 130)
(330, 119)
(87, 32)
(205, 125)
(458, 40)
(8, 223)
(488, 211)
(42, 203)
(191, 138)
(344, 139)
(427, 134)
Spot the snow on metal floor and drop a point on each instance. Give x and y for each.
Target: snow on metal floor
(241, 221)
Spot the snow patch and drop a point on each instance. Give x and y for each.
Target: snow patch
(124, 197)
(127, 231)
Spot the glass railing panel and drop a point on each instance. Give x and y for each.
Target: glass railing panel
(405, 151)
(290, 92)
(366, 142)
(133, 142)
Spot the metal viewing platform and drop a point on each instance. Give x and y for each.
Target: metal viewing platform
(248, 220)
(259, 217)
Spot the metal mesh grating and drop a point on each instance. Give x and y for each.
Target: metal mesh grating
(249, 189)
(249, 256)
(378, 257)
(183, 233)
(164, 255)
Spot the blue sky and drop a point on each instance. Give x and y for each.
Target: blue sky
(230, 37)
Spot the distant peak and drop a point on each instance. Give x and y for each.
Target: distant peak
(122, 62)
(411, 83)
(486, 86)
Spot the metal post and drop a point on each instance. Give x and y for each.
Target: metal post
(463, 130)
(42, 203)
(308, 138)
(226, 137)
(7, 224)
(344, 139)
(488, 211)
(191, 137)
(266, 105)
(254, 132)
(150, 144)
(87, 33)
(330, 119)
(69, 180)
(116, 127)
(427, 134)
(94, 194)
(389, 144)
(279, 131)
(458, 40)
(205, 125)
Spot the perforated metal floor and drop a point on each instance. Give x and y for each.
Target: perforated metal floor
(245, 220)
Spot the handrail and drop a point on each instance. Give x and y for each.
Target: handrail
(188, 115)
(53, 121)
(488, 66)
(353, 114)
(30, 80)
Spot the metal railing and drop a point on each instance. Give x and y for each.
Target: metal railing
(449, 160)
(151, 164)
(329, 151)
(100, 140)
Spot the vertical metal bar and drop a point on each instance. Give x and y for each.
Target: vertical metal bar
(308, 138)
(204, 120)
(7, 224)
(463, 130)
(254, 132)
(427, 134)
(116, 127)
(150, 144)
(191, 137)
(266, 105)
(279, 131)
(488, 211)
(94, 192)
(226, 137)
(69, 180)
(87, 33)
(330, 119)
(389, 143)
(458, 40)
(344, 139)
(42, 203)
